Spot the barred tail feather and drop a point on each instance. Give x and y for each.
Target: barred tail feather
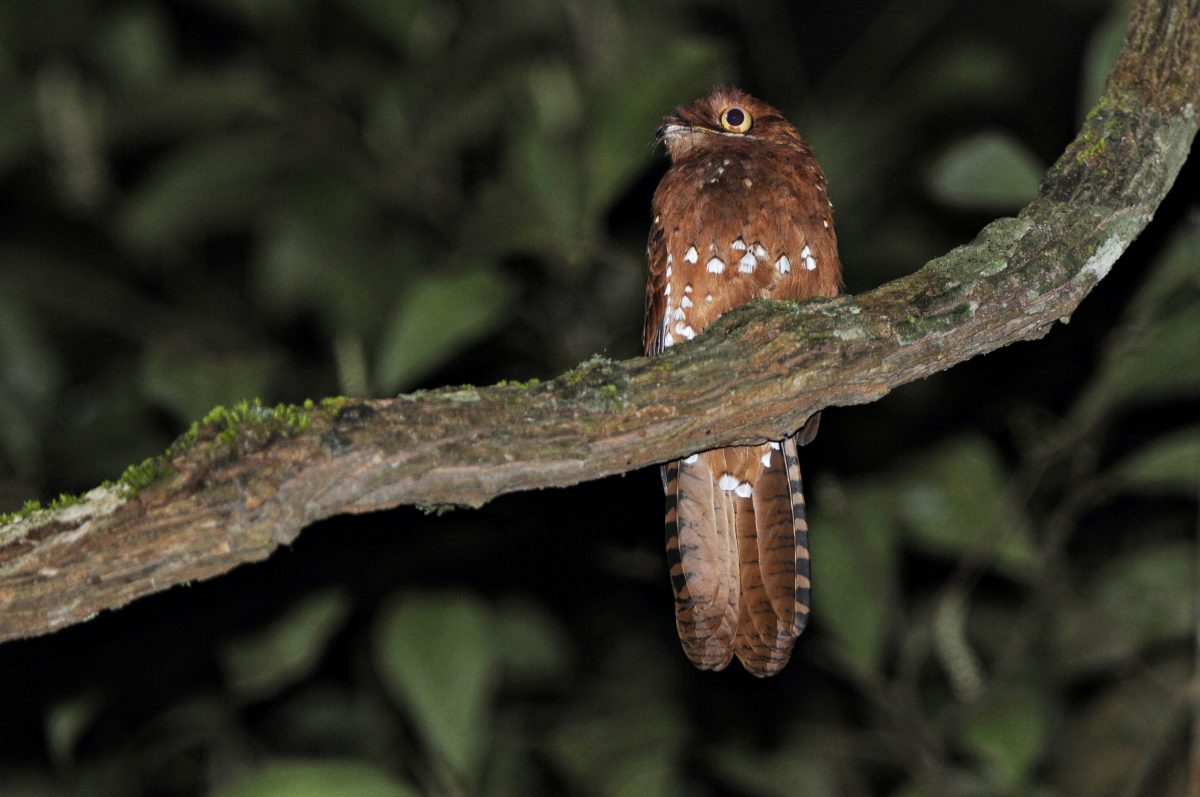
(773, 537)
(702, 555)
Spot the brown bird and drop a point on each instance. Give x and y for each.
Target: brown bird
(742, 213)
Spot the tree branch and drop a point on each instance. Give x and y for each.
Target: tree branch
(244, 482)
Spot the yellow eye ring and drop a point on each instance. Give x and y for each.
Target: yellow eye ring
(736, 120)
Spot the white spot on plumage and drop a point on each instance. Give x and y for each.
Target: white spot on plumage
(670, 259)
(687, 288)
(725, 162)
(747, 263)
(716, 265)
(759, 252)
(708, 298)
(727, 482)
(810, 263)
(805, 252)
(685, 330)
(685, 302)
(656, 220)
(766, 459)
(774, 445)
(744, 490)
(669, 271)
(783, 264)
(691, 460)
(691, 255)
(668, 340)
(826, 223)
(738, 244)
(677, 314)
(746, 181)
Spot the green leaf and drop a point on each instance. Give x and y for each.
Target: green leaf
(181, 104)
(1125, 729)
(531, 643)
(436, 318)
(1169, 465)
(72, 114)
(627, 744)
(1174, 277)
(989, 171)
(190, 381)
(554, 91)
(953, 501)
(628, 726)
(31, 378)
(790, 771)
(853, 541)
(513, 769)
(135, 45)
(1008, 733)
(211, 185)
(66, 723)
(1158, 362)
(919, 789)
(959, 71)
(538, 208)
(1155, 352)
(322, 252)
(642, 774)
(18, 126)
(627, 105)
(436, 657)
(30, 369)
(260, 665)
(1137, 599)
(343, 778)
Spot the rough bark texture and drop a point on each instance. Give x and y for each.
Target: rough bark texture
(237, 491)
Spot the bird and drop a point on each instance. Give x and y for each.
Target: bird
(742, 212)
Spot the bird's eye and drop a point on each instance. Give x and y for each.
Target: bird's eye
(736, 120)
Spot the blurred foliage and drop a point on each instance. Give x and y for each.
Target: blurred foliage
(212, 200)
(317, 779)
(217, 200)
(273, 659)
(987, 171)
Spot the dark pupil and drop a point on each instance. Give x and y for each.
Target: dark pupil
(735, 117)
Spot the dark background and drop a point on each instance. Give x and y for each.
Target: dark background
(213, 200)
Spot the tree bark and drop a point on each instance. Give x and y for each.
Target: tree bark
(247, 482)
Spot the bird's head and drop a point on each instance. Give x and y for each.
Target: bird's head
(722, 117)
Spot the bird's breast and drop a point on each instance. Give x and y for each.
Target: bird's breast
(736, 229)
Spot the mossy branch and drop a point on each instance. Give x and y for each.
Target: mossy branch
(244, 481)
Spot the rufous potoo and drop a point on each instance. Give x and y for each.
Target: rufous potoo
(741, 213)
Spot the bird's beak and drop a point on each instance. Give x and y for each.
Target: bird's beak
(679, 136)
(673, 129)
